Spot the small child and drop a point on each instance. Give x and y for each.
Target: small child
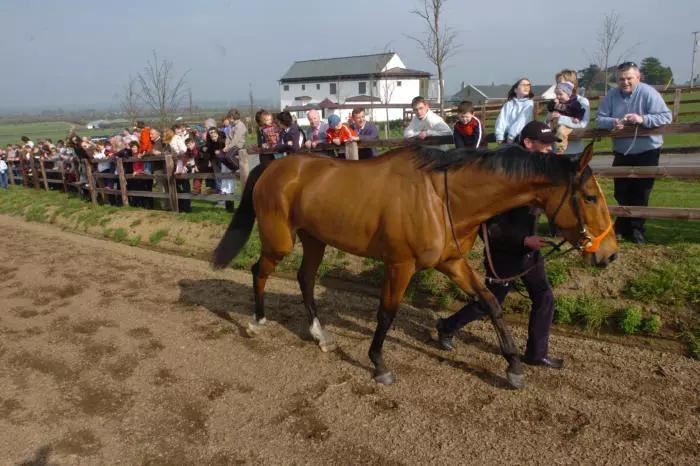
(339, 133)
(467, 129)
(185, 165)
(565, 104)
(3, 172)
(269, 130)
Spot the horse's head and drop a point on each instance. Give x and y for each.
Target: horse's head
(581, 213)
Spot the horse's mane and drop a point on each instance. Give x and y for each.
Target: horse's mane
(512, 160)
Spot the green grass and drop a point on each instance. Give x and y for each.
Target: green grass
(157, 236)
(135, 223)
(629, 319)
(586, 311)
(675, 282)
(135, 240)
(119, 235)
(179, 240)
(55, 130)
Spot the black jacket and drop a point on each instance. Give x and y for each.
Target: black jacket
(508, 230)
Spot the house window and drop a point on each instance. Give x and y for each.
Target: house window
(334, 89)
(362, 88)
(301, 114)
(318, 87)
(303, 87)
(398, 83)
(285, 87)
(374, 84)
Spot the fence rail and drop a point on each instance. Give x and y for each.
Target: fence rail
(95, 181)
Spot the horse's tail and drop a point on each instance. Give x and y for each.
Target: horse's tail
(241, 225)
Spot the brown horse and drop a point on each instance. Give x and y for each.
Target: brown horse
(413, 209)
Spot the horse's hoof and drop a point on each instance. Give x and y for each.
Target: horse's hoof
(254, 327)
(327, 347)
(516, 381)
(386, 378)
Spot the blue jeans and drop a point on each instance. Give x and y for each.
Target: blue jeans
(3, 180)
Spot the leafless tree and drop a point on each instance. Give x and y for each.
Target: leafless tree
(129, 103)
(161, 90)
(387, 88)
(439, 41)
(607, 42)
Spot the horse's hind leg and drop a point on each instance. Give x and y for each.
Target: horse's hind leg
(396, 279)
(261, 271)
(471, 283)
(313, 255)
(275, 247)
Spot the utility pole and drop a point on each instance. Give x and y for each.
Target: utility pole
(250, 112)
(189, 94)
(692, 66)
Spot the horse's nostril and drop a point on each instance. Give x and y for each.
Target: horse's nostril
(612, 257)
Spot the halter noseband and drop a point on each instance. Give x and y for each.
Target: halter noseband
(586, 241)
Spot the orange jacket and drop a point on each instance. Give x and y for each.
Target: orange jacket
(145, 141)
(344, 134)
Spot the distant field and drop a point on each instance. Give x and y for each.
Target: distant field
(55, 130)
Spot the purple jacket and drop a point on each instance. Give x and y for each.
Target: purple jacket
(367, 133)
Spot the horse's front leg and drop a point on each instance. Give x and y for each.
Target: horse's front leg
(459, 271)
(396, 279)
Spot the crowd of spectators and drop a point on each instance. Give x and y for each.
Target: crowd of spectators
(213, 148)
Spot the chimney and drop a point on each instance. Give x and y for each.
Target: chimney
(462, 84)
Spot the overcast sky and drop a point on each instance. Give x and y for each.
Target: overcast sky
(78, 52)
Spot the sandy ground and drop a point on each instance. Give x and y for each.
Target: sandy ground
(112, 354)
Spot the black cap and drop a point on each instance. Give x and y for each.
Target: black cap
(538, 131)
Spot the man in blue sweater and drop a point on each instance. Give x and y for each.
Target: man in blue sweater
(633, 103)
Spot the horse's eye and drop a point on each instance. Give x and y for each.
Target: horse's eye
(590, 199)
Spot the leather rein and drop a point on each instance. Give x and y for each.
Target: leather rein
(586, 242)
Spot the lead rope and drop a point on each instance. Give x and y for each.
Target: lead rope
(555, 246)
(634, 140)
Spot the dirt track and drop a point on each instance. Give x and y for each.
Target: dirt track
(119, 354)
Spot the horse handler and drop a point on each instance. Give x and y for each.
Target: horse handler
(513, 249)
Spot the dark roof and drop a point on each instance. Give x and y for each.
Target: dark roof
(327, 103)
(363, 98)
(347, 67)
(341, 66)
(396, 71)
(498, 91)
(303, 97)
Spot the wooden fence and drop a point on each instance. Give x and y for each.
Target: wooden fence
(95, 181)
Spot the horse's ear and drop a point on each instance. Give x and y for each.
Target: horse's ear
(585, 158)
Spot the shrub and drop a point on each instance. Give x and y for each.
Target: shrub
(557, 273)
(651, 324)
(135, 240)
(119, 234)
(157, 236)
(564, 309)
(629, 320)
(586, 311)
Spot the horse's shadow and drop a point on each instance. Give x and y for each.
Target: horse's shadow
(226, 298)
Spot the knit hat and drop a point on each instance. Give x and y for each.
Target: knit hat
(566, 87)
(333, 120)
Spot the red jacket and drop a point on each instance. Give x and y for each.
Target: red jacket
(344, 134)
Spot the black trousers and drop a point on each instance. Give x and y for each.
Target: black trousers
(538, 289)
(183, 186)
(633, 191)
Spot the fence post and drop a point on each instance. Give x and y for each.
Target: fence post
(43, 174)
(484, 116)
(35, 176)
(351, 152)
(91, 181)
(62, 169)
(24, 170)
(243, 167)
(11, 172)
(101, 184)
(122, 181)
(676, 105)
(169, 184)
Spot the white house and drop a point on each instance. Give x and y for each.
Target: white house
(336, 85)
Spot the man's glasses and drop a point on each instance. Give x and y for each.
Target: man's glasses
(626, 66)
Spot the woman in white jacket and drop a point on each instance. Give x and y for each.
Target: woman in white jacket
(516, 112)
(575, 146)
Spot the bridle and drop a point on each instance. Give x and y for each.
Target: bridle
(586, 242)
